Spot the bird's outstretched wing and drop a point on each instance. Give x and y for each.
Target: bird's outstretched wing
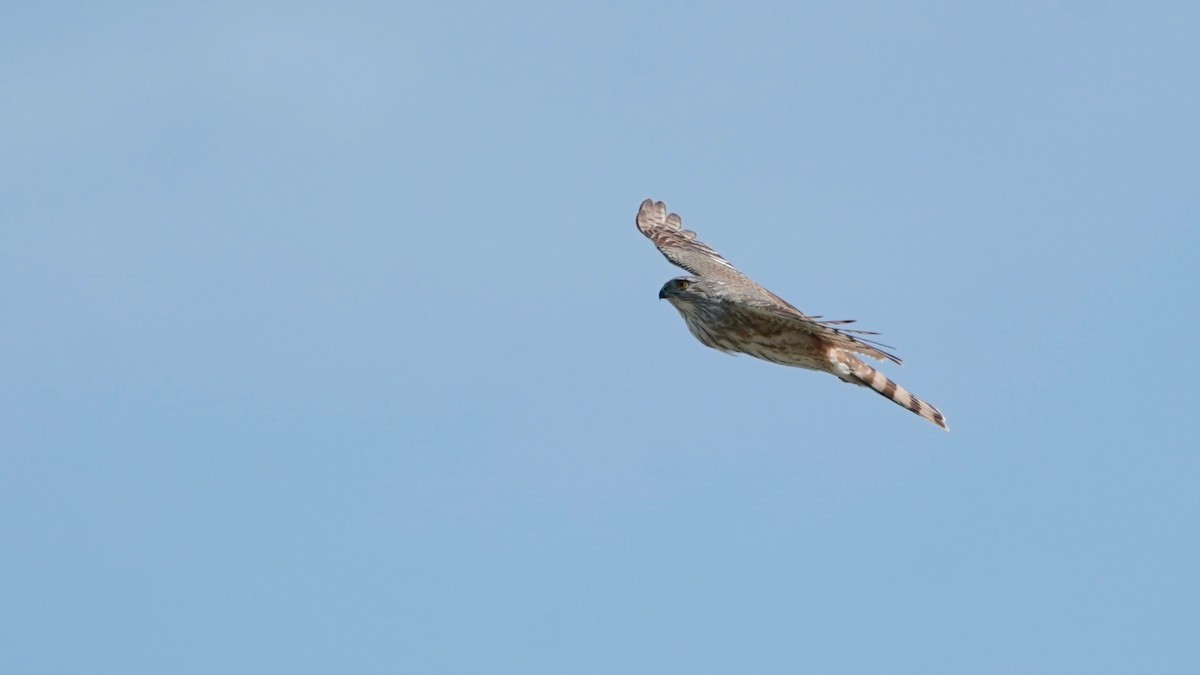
(680, 246)
(828, 331)
(683, 249)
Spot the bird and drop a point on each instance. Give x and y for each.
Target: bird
(727, 311)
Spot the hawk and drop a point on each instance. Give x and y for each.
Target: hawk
(728, 311)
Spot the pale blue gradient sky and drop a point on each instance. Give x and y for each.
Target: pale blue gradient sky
(330, 345)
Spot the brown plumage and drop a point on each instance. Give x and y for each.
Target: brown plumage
(728, 311)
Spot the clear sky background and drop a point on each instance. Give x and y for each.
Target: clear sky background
(329, 344)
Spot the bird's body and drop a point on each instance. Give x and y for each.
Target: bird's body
(725, 326)
(727, 311)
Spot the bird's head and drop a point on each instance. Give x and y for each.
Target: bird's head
(676, 288)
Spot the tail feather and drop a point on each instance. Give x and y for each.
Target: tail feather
(876, 380)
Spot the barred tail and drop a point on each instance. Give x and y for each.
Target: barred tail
(879, 382)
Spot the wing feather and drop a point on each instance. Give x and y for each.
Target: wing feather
(681, 246)
(842, 338)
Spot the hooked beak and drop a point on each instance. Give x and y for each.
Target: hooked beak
(662, 293)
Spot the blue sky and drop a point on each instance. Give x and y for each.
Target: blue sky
(330, 344)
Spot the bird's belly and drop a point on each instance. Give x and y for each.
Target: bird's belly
(799, 353)
(789, 348)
